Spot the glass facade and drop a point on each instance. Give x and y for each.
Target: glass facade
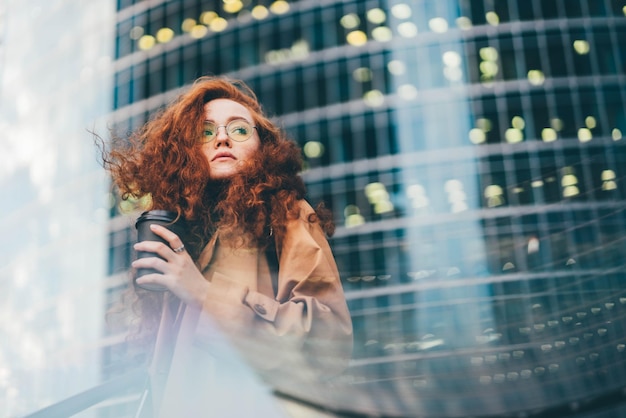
(55, 86)
(472, 153)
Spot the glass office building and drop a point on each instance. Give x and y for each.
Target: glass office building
(472, 154)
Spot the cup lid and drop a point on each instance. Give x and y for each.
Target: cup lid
(158, 215)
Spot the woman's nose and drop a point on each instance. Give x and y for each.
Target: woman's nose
(221, 136)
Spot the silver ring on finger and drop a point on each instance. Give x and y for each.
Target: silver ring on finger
(180, 249)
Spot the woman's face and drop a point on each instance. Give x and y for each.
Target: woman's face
(225, 155)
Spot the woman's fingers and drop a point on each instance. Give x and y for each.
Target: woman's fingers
(155, 247)
(164, 270)
(152, 278)
(151, 263)
(174, 240)
(158, 248)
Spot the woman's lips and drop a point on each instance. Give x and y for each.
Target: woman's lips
(223, 156)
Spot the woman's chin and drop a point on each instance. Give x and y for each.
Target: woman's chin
(222, 175)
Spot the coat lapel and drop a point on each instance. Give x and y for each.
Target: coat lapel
(207, 254)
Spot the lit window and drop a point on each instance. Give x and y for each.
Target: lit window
(417, 194)
(536, 77)
(208, 17)
(513, 135)
(279, 7)
(456, 196)
(477, 361)
(378, 196)
(557, 124)
(396, 67)
(198, 31)
(382, 34)
(507, 266)
(407, 92)
(569, 183)
(407, 29)
(494, 195)
(581, 47)
(499, 377)
(590, 122)
(146, 42)
(277, 56)
(608, 180)
(608, 175)
(188, 24)
(585, 135)
(492, 18)
(218, 24)
(232, 6)
(353, 216)
(488, 67)
(518, 122)
(374, 98)
(401, 11)
(356, 38)
(300, 49)
(477, 136)
(616, 134)
(136, 32)
(313, 149)
(488, 53)
(609, 185)
(548, 135)
(570, 191)
(484, 380)
(451, 59)
(438, 24)
(464, 22)
(164, 35)
(484, 124)
(260, 12)
(362, 74)
(376, 16)
(350, 21)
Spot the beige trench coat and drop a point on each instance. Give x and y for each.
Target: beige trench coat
(245, 340)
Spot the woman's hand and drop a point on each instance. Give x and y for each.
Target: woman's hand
(179, 273)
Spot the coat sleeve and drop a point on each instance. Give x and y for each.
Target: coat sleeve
(307, 327)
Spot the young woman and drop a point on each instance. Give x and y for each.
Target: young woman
(216, 159)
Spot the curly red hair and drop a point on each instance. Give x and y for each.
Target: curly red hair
(164, 159)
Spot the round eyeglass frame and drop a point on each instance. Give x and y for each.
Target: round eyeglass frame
(228, 131)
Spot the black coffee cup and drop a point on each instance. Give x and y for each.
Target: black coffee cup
(144, 233)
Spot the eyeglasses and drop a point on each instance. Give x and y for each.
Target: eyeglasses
(238, 130)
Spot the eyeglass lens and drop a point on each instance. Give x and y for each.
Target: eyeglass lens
(238, 130)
